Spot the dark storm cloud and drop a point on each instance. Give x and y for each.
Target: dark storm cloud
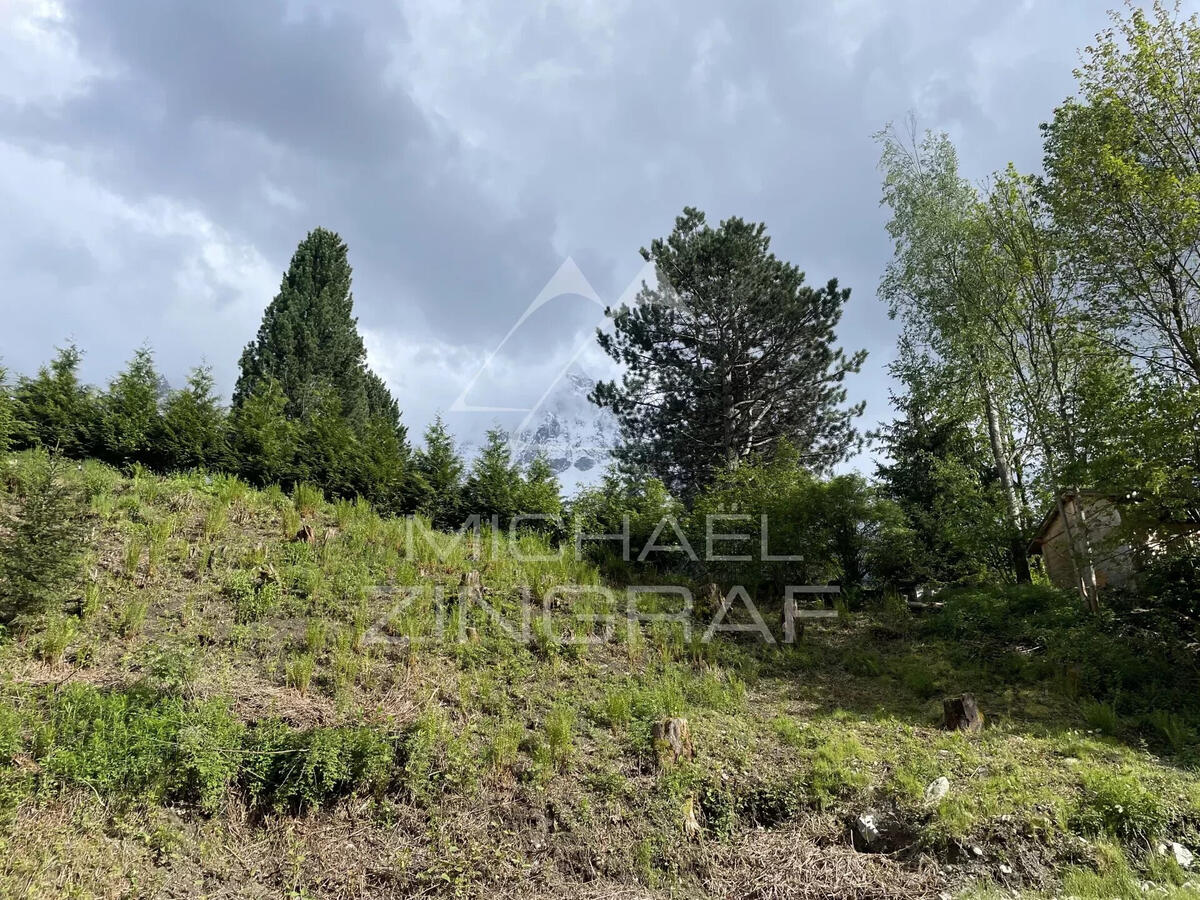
(463, 149)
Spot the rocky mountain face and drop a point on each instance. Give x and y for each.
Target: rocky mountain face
(575, 434)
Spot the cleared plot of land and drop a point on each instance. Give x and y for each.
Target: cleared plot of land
(236, 713)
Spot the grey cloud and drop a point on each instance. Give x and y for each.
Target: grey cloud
(464, 150)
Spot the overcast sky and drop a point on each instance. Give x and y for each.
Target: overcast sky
(159, 161)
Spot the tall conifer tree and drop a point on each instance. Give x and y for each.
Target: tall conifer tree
(309, 342)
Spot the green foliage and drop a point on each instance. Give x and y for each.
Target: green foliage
(252, 596)
(539, 497)
(939, 475)
(52, 643)
(837, 769)
(440, 469)
(1123, 160)
(54, 411)
(261, 437)
(298, 670)
(8, 418)
(130, 425)
(193, 425)
(1102, 717)
(41, 539)
(1121, 806)
(560, 724)
(309, 339)
(292, 770)
(728, 354)
(493, 489)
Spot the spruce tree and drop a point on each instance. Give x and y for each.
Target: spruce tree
(41, 540)
(540, 495)
(494, 486)
(262, 440)
(54, 410)
(130, 425)
(193, 425)
(309, 339)
(440, 471)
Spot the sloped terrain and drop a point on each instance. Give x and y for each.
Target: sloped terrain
(233, 712)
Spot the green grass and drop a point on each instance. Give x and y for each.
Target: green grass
(232, 693)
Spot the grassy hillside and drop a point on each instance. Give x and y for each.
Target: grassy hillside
(224, 711)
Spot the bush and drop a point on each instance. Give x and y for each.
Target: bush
(1102, 717)
(41, 540)
(293, 770)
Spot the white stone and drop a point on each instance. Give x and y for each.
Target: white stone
(867, 829)
(937, 789)
(1005, 869)
(1182, 855)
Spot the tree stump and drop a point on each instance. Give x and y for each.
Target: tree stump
(961, 714)
(672, 740)
(471, 583)
(305, 535)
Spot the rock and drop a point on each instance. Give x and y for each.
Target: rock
(962, 714)
(1182, 855)
(977, 850)
(1005, 869)
(866, 828)
(937, 789)
(305, 535)
(673, 740)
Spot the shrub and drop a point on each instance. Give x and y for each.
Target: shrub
(616, 708)
(205, 757)
(132, 556)
(1171, 728)
(41, 540)
(505, 745)
(314, 636)
(133, 615)
(1102, 717)
(293, 770)
(251, 598)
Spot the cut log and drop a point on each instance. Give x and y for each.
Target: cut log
(962, 714)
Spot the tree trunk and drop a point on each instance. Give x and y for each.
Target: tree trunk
(996, 439)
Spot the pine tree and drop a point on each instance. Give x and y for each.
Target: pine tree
(727, 355)
(41, 540)
(440, 470)
(130, 425)
(494, 486)
(193, 425)
(308, 341)
(54, 410)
